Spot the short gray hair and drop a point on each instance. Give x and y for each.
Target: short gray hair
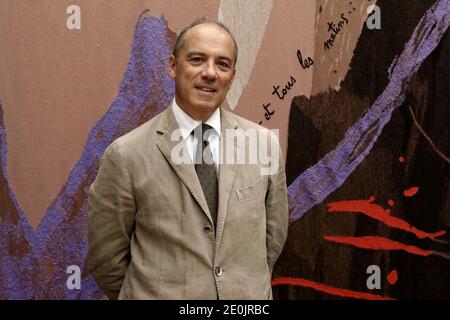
(202, 20)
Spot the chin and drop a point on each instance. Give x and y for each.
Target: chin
(207, 106)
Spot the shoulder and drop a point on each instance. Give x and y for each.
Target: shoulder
(240, 121)
(245, 124)
(143, 136)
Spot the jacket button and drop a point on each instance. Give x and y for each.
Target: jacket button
(218, 271)
(207, 228)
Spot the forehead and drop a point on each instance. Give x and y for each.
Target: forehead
(209, 39)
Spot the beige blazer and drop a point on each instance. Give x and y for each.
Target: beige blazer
(150, 231)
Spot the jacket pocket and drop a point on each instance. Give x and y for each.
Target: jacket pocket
(252, 190)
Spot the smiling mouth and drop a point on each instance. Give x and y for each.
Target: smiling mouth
(205, 89)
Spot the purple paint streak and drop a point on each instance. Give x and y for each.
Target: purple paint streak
(33, 264)
(14, 228)
(318, 181)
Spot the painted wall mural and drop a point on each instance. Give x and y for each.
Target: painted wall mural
(358, 90)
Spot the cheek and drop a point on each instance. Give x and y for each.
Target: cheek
(184, 82)
(191, 73)
(226, 85)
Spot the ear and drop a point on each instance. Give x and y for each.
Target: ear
(172, 67)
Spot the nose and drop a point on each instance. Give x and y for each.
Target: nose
(209, 71)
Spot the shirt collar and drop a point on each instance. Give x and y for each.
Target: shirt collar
(187, 124)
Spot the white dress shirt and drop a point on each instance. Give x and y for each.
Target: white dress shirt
(187, 125)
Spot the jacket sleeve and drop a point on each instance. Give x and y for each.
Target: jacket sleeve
(277, 215)
(111, 222)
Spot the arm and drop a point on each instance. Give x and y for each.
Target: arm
(111, 222)
(277, 214)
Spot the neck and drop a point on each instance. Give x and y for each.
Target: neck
(197, 115)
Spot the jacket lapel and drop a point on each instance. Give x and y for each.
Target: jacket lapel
(227, 172)
(185, 170)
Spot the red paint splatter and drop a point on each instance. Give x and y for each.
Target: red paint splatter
(392, 277)
(391, 202)
(377, 212)
(378, 243)
(401, 159)
(328, 289)
(410, 192)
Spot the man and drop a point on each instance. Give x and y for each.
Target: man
(165, 224)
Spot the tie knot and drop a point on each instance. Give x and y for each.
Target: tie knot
(205, 127)
(200, 130)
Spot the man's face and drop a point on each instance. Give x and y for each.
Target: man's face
(203, 71)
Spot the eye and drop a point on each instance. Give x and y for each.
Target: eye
(224, 65)
(196, 59)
